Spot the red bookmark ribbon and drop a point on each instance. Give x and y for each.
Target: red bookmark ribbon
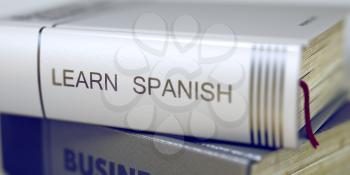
(310, 134)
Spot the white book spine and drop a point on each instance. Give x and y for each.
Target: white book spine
(217, 89)
(206, 86)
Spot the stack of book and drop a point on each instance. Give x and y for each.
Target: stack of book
(122, 88)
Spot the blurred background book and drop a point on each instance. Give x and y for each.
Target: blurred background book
(56, 148)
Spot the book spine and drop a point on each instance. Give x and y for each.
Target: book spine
(218, 89)
(209, 87)
(104, 151)
(72, 148)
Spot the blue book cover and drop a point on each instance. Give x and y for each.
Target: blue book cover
(34, 146)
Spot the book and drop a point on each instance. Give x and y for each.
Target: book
(210, 71)
(56, 147)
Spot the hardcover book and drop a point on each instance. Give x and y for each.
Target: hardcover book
(54, 147)
(210, 71)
